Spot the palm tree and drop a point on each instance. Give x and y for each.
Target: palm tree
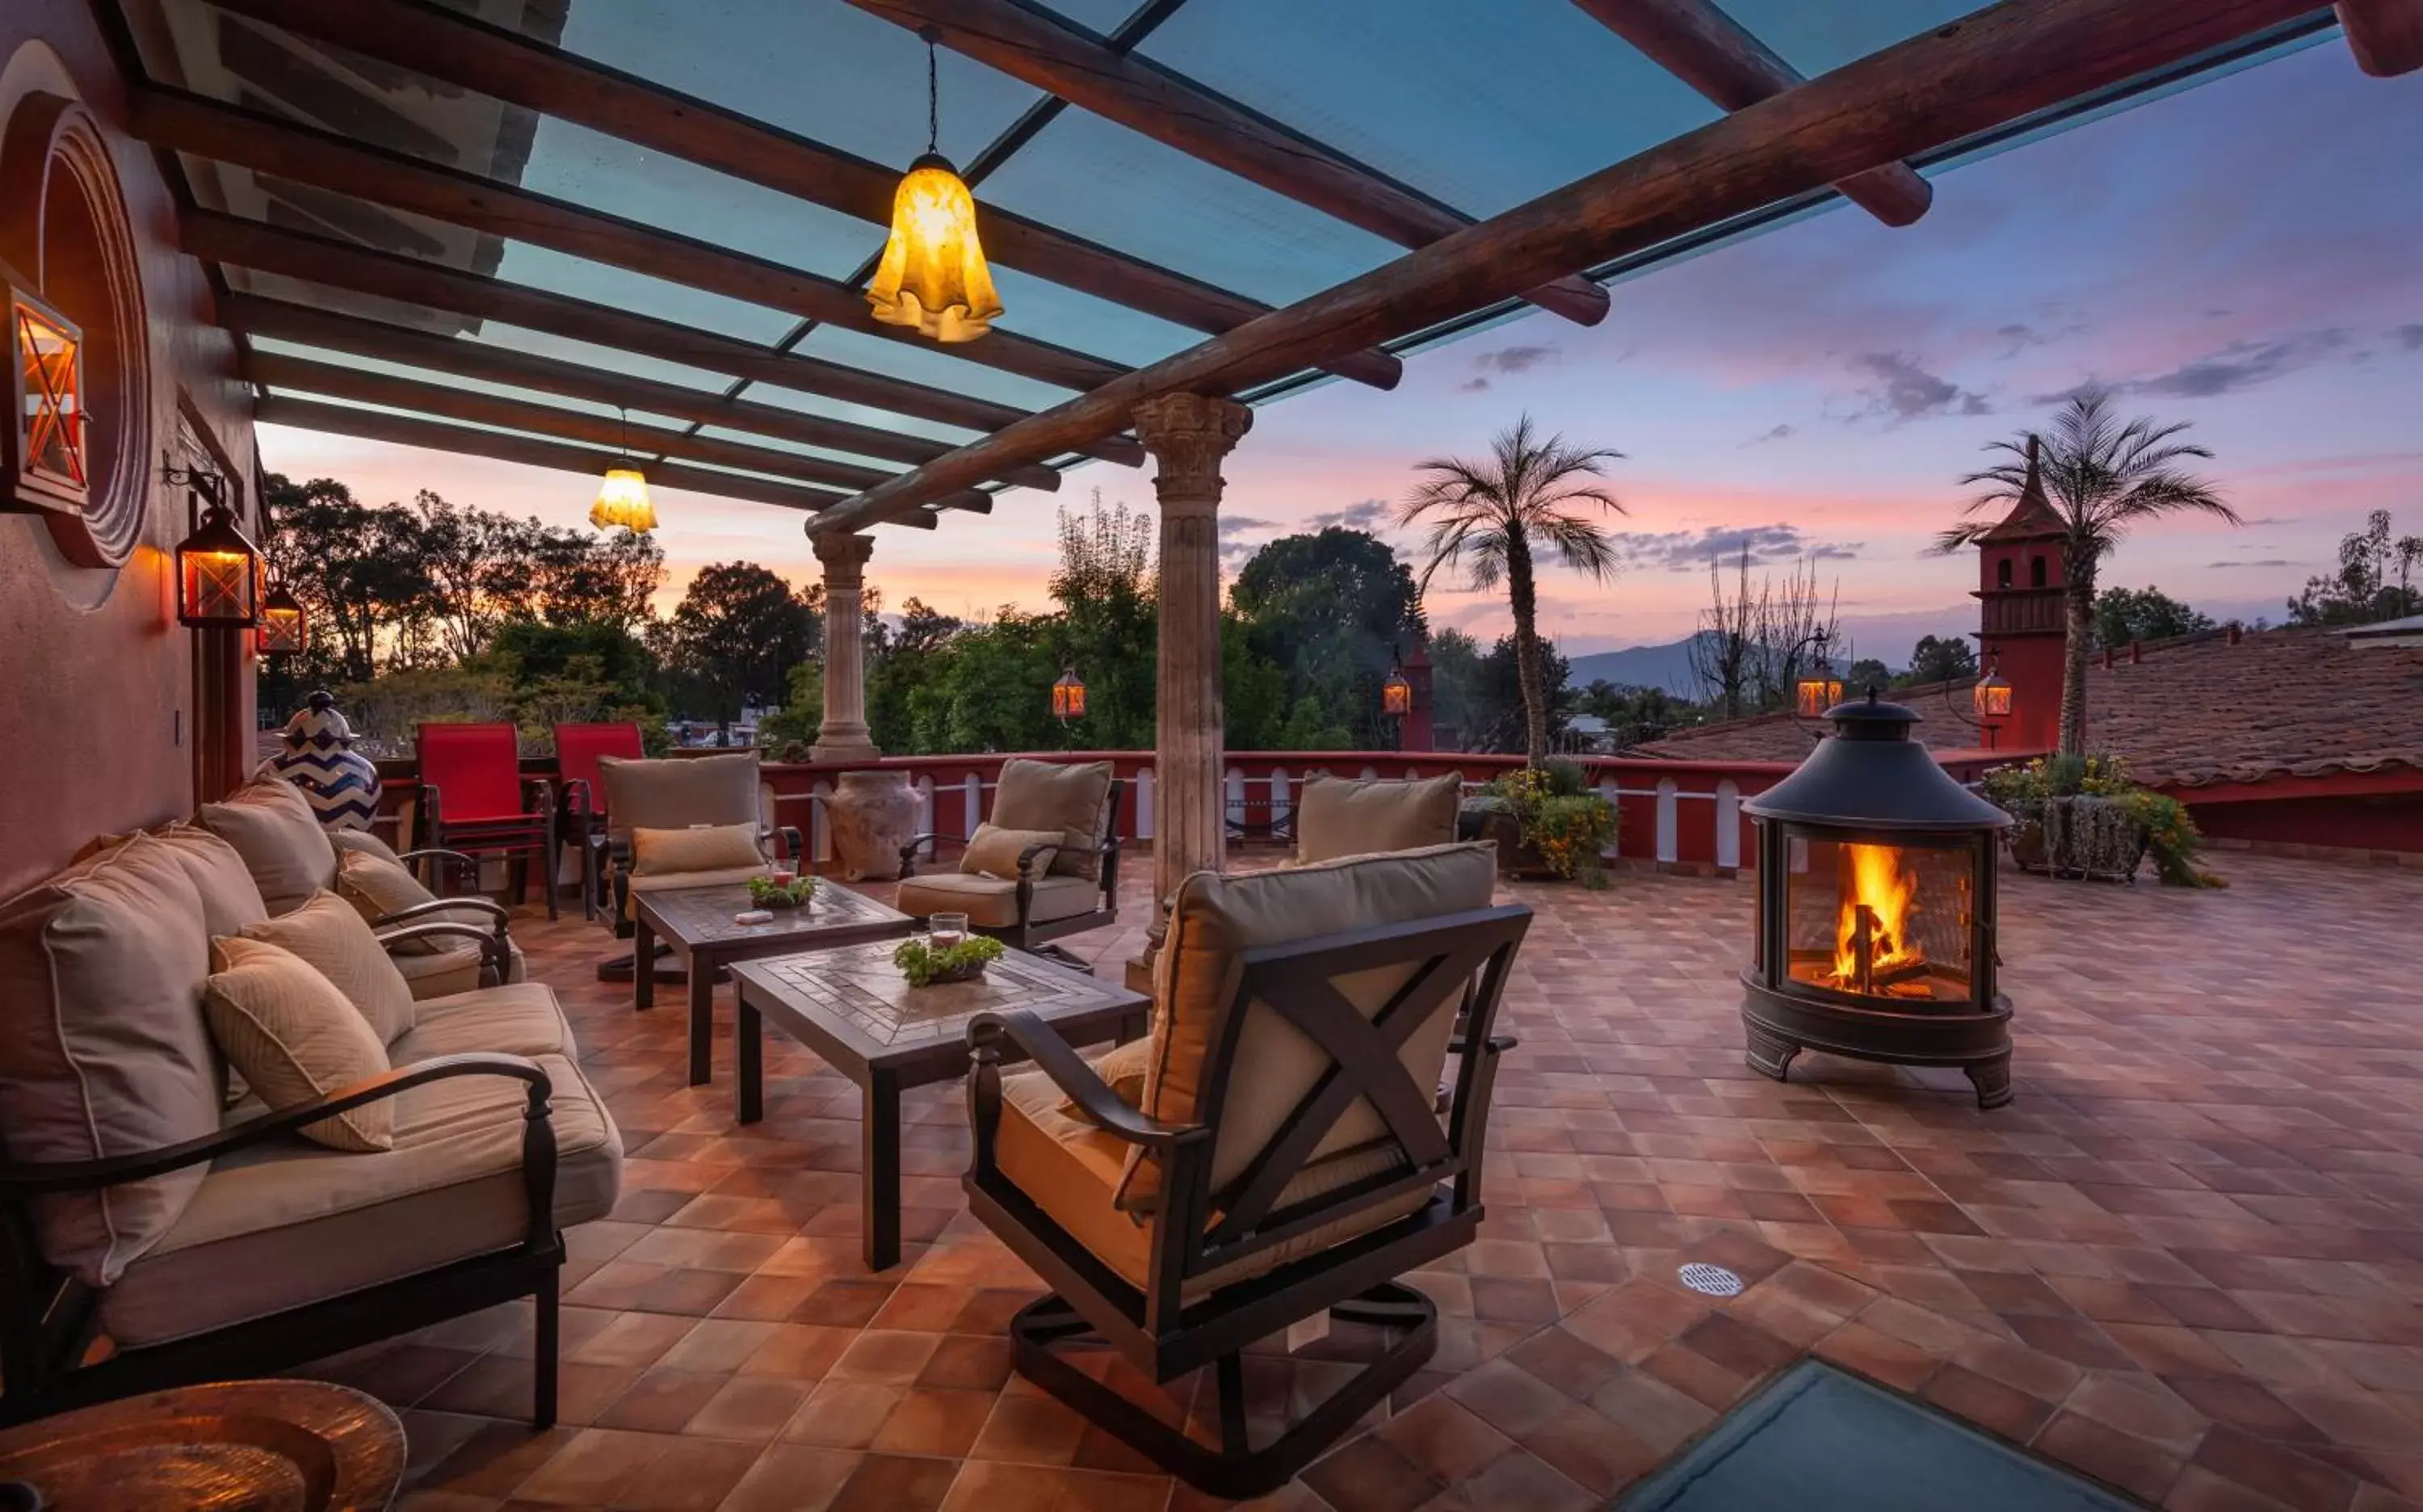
(1487, 517)
(2100, 477)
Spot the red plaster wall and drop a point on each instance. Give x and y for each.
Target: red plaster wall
(96, 682)
(2384, 822)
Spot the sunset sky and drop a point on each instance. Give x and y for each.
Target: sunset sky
(2247, 256)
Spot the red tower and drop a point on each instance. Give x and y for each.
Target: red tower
(2019, 586)
(1419, 732)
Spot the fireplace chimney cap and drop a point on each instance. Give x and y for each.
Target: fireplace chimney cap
(1871, 775)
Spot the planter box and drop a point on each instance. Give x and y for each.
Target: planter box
(2083, 837)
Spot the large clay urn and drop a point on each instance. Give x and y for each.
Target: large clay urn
(873, 814)
(340, 783)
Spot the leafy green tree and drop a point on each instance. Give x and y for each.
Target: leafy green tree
(1253, 690)
(1333, 611)
(735, 636)
(1866, 673)
(2376, 579)
(1108, 627)
(802, 714)
(2125, 615)
(1939, 658)
(1455, 682)
(2101, 477)
(1489, 519)
(1501, 705)
(357, 571)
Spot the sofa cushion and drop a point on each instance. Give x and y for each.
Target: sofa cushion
(1072, 797)
(285, 1223)
(520, 1018)
(270, 824)
(1072, 1169)
(102, 1048)
(675, 793)
(991, 902)
(699, 848)
(1360, 816)
(377, 888)
(993, 852)
(362, 842)
(1214, 918)
(332, 938)
(456, 969)
(294, 1038)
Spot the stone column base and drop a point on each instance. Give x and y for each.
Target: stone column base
(844, 751)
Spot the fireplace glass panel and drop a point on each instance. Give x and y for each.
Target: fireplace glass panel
(1884, 920)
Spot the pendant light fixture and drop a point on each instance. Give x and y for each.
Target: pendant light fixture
(932, 276)
(623, 494)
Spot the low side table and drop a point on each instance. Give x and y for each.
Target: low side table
(698, 923)
(304, 1445)
(851, 1006)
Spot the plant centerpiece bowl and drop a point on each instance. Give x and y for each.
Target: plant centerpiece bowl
(766, 891)
(927, 964)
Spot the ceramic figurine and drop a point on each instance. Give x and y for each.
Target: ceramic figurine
(342, 787)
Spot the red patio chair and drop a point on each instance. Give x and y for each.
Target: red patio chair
(581, 804)
(473, 799)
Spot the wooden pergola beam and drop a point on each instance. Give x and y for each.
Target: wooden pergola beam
(332, 380)
(460, 50)
(322, 260)
(1708, 50)
(2386, 35)
(282, 320)
(1028, 43)
(304, 154)
(436, 435)
(1953, 82)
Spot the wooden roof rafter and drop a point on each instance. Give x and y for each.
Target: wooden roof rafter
(1056, 55)
(471, 53)
(259, 315)
(1956, 82)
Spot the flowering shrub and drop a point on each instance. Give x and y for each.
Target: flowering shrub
(1567, 829)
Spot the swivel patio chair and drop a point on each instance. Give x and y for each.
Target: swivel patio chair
(474, 800)
(1280, 1147)
(680, 793)
(581, 817)
(1044, 867)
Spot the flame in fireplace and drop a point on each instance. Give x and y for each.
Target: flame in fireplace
(1881, 889)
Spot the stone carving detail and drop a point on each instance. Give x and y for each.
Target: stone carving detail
(1188, 433)
(341, 785)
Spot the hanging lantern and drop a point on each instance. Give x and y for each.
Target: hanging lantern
(1068, 696)
(218, 575)
(1992, 696)
(49, 467)
(1396, 695)
(284, 632)
(1818, 693)
(932, 276)
(623, 493)
(623, 500)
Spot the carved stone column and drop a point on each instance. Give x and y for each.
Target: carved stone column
(1188, 435)
(844, 736)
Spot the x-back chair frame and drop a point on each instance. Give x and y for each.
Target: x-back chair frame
(1462, 963)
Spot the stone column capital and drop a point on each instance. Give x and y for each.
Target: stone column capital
(1187, 435)
(844, 558)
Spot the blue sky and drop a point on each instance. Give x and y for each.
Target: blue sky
(2243, 256)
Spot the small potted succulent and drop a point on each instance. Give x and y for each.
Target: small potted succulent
(782, 890)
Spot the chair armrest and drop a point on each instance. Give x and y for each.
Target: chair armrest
(456, 859)
(494, 948)
(909, 852)
(440, 908)
(1069, 1073)
(1026, 857)
(93, 1175)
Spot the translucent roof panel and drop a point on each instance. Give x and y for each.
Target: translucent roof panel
(927, 363)
(882, 420)
(1069, 317)
(1818, 36)
(273, 347)
(1111, 186)
(821, 68)
(1102, 16)
(1480, 107)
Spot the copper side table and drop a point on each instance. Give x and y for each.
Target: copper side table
(262, 1445)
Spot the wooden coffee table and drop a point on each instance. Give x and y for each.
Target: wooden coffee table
(851, 1006)
(697, 923)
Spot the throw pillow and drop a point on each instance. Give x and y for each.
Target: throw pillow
(993, 852)
(700, 848)
(333, 941)
(273, 828)
(377, 888)
(294, 1038)
(345, 840)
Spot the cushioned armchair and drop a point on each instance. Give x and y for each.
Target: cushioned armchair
(1046, 865)
(683, 793)
(1363, 815)
(1279, 1149)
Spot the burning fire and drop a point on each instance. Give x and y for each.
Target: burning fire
(1872, 944)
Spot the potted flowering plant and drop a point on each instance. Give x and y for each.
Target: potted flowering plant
(1546, 820)
(2087, 816)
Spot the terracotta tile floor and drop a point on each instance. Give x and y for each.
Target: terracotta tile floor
(2187, 1261)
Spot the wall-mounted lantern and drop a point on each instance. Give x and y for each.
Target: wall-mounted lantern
(1397, 693)
(285, 631)
(1817, 690)
(219, 568)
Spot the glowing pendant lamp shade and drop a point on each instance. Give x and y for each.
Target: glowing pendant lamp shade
(623, 494)
(932, 276)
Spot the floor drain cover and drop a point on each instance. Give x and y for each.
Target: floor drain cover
(1711, 1281)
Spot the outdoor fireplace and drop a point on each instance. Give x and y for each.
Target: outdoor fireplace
(1875, 910)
